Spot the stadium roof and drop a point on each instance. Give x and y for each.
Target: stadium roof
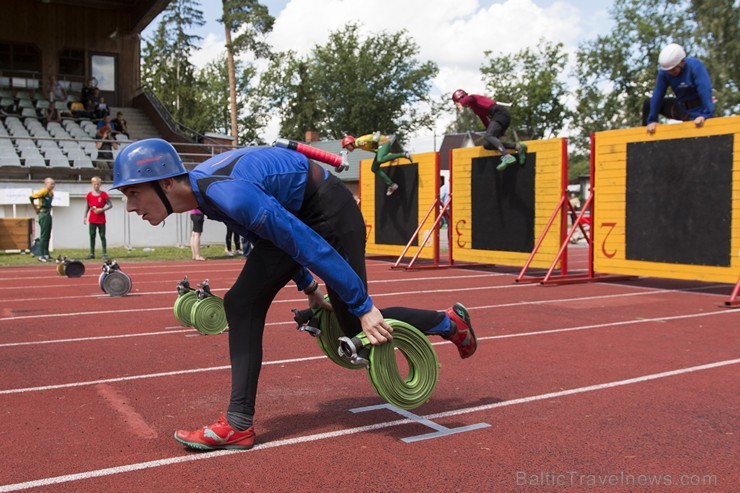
(143, 11)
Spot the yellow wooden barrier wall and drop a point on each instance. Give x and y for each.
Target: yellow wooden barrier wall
(428, 193)
(548, 191)
(610, 204)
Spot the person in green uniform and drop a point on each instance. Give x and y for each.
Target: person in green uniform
(381, 145)
(41, 201)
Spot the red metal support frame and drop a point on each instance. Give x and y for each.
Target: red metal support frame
(564, 195)
(433, 231)
(541, 239)
(734, 302)
(564, 207)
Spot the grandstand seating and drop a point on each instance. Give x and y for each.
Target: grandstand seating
(66, 150)
(63, 150)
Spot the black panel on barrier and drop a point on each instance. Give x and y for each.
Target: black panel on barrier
(503, 205)
(679, 201)
(397, 216)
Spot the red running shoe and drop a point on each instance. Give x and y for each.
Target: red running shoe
(464, 336)
(219, 435)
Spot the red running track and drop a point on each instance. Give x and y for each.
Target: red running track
(627, 386)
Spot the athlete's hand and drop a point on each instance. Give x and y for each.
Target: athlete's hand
(651, 127)
(316, 300)
(375, 328)
(699, 121)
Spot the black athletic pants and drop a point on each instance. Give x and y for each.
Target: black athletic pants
(332, 212)
(669, 108)
(499, 120)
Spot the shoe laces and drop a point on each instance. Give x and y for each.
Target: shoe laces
(220, 421)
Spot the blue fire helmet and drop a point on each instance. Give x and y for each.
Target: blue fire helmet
(146, 160)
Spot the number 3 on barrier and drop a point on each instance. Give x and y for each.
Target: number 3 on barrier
(611, 227)
(459, 233)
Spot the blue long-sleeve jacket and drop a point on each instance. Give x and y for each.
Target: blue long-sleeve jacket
(692, 85)
(257, 192)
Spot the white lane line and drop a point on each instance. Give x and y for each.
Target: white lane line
(590, 388)
(314, 358)
(110, 471)
(175, 268)
(679, 290)
(95, 338)
(206, 272)
(173, 291)
(598, 297)
(150, 375)
(611, 324)
(79, 314)
(166, 270)
(172, 330)
(297, 300)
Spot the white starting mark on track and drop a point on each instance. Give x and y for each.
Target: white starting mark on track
(442, 431)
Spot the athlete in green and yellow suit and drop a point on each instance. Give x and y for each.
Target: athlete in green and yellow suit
(43, 210)
(381, 145)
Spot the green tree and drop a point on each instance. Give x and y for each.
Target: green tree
(212, 98)
(717, 38)
(288, 88)
(371, 84)
(246, 22)
(156, 53)
(616, 72)
(578, 165)
(354, 85)
(531, 81)
(166, 69)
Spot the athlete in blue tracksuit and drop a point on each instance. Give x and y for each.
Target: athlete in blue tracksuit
(689, 79)
(257, 193)
(301, 219)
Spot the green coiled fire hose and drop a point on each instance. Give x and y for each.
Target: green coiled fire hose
(183, 306)
(423, 366)
(208, 315)
(383, 370)
(328, 340)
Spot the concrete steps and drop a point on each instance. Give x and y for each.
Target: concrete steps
(139, 125)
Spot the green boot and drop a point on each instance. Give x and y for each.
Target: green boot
(521, 152)
(506, 161)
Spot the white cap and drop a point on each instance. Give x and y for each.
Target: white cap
(671, 56)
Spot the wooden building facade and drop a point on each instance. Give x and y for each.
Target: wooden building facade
(74, 40)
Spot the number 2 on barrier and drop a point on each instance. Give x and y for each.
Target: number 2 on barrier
(611, 227)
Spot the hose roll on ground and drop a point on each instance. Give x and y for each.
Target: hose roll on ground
(423, 367)
(208, 315)
(183, 307)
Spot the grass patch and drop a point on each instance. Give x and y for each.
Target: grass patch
(122, 255)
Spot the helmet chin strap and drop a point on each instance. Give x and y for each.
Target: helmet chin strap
(162, 197)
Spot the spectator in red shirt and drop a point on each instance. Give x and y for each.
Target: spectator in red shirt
(496, 119)
(97, 203)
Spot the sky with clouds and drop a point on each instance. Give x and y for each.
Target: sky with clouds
(453, 33)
